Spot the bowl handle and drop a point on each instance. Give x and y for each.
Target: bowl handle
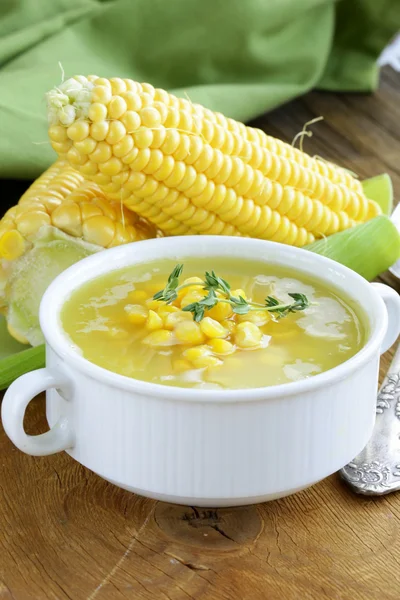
(392, 302)
(15, 401)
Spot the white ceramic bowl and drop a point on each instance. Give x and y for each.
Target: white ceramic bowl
(205, 447)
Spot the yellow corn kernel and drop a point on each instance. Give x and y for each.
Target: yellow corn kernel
(99, 131)
(99, 230)
(258, 317)
(78, 131)
(180, 364)
(57, 133)
(111, 167)
(102, 153)
(118, 85)
(219, 346)
(97, 112)
(131, 121)
(239, 293)
(220, 311)
(150, 117)
(154, 321)
(30, 222)
(229, 325)
(192, 296)
(102, 94)
(171, 320)
(132, 100)
(247, 335)
(12, 245)
(86, 146)
(193, 284)
(143, 138)
(193, 280)
(153, 304)
(136, 313)
(197, 352)
(206, 361)
(212, 328)
(161, 337)
(116, 132)
(138, 295)
(189, 332)
(166, 309)
(117, 107)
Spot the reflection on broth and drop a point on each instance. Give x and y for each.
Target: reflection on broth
(115, 323)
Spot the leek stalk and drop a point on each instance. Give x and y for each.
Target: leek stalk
(369, 248)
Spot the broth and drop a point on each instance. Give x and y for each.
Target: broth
(100, 321)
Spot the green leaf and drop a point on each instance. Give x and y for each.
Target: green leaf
(196, 309)
(270, 301)
(301, 302)
(210, 300)
(240, 305)
(173, 279)
(169, 294)
(241, 309)
(212, 281)
(380, 189)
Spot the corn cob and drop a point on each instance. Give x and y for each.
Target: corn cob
(62, 198)
(190, 170)
(60, 219)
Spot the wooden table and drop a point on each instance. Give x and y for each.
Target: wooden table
(66, 533)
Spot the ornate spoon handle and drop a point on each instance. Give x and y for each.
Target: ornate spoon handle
(376, 470)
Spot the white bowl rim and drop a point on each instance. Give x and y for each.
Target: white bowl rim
(62, 286)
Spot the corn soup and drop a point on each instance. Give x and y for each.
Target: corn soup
(218, 324)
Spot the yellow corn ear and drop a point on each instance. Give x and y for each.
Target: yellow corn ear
(190, 170)
(63, 198)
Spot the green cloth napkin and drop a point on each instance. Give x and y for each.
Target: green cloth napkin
(241, 57)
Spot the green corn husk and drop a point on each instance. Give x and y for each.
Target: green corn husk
(8, 345)
(369, 248)
(30, 275)
(380, 189)
(16, 365)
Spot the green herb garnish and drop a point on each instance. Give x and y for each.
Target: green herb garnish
(169, 293)
(212, 283)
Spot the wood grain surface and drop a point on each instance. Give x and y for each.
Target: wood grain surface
(67, 534)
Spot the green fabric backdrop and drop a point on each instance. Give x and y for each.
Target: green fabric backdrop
(241, 57)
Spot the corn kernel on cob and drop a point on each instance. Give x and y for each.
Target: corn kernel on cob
(190, 170)
(59, 220)
(62, 198)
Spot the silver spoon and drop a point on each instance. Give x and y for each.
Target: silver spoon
(376, 470)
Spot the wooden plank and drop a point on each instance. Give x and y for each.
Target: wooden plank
(67, 534)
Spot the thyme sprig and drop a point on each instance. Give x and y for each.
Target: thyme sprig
(213, 284)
